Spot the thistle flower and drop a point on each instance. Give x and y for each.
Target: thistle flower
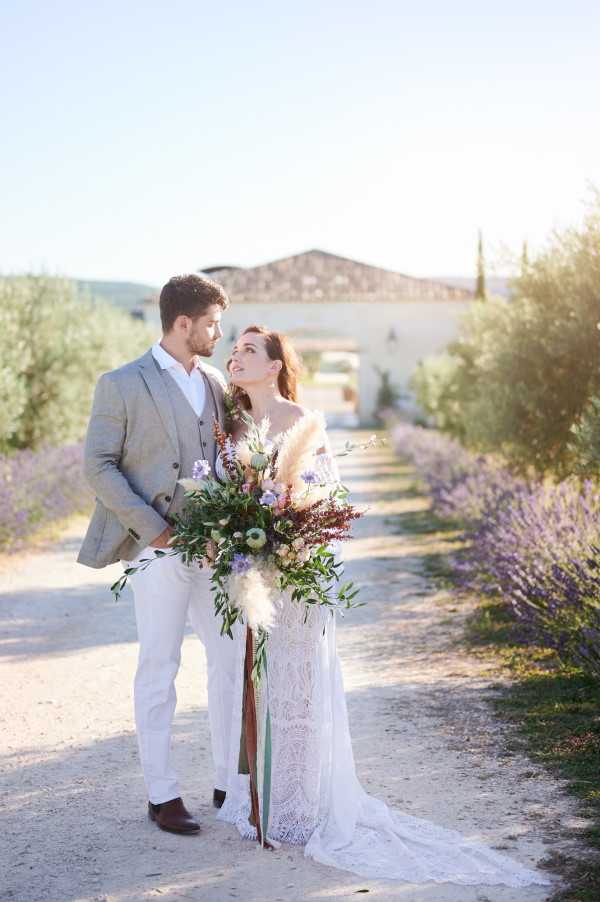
(256, 538)
(259, 461)
(310, 477)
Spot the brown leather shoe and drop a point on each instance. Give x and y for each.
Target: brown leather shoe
(219, 796)
(173, 817)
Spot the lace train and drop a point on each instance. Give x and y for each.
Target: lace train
(316, 798)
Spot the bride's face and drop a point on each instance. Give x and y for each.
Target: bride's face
(250, 364)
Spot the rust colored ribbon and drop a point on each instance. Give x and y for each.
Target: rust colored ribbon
(250, 731)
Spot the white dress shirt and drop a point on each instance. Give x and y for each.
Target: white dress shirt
(192, 385)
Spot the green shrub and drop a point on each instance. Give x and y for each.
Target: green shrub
(585, 443)
(522, 373)
(53, 346)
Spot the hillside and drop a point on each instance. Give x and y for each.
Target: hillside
(496, 285)
(127, 295)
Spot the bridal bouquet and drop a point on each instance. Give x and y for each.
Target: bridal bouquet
(267, 527)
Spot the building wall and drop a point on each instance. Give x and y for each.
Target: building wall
(421, 328)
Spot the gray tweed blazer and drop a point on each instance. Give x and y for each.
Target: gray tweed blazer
(131, 450)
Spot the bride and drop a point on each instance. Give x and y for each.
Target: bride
(316, 799)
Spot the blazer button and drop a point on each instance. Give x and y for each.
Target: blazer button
(175, 466)
(167, 497)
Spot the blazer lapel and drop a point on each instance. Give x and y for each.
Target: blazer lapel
(216, 391)
(157, 389)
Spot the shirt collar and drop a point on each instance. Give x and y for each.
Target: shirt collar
(166, 361)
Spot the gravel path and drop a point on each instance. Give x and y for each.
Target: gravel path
(72, 798)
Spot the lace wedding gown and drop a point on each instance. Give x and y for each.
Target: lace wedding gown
(316, 799)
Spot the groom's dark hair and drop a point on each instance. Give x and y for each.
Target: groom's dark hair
(189, 296)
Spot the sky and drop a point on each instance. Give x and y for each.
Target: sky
(140, 140)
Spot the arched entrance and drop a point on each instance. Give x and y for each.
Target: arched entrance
(330, 381)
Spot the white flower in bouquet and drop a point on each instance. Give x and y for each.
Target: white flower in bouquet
(251, 589)
(201, 469)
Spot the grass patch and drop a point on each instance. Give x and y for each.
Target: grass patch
(420, 522)
(556, 710)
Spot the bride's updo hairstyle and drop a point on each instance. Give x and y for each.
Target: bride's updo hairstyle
(278, 347)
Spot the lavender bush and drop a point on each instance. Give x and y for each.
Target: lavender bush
(39, 488)
(534, 544)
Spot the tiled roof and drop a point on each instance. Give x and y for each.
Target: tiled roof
(319, 276)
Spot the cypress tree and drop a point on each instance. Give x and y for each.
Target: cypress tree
(480, 283)
(524, 259)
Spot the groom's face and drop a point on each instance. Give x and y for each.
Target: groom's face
(205, 331)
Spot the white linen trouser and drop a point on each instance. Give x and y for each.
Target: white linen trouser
(165, 593)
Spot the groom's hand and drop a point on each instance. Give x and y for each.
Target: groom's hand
(162, 541)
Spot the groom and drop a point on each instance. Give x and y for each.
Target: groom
(151, 420)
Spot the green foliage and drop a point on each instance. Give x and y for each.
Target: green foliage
(388, 394)
(311, 361)
(435, 384)
(585, 444)
(556, 709)
(53, 346)
(523, 373)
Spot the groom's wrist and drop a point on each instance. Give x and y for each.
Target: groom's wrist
(145, 531)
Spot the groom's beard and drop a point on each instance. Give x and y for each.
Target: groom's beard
(200, 346)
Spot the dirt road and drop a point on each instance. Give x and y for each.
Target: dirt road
(72, 798)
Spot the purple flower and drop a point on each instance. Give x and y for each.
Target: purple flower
(533, 544)
(201, 469)
(39, 487)
(240, 563)
(309, 477)
(268, 498)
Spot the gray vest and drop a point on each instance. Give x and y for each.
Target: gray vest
(195, 434)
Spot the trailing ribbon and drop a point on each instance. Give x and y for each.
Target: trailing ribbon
(256, 743)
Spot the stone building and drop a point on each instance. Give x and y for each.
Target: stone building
(327, 302)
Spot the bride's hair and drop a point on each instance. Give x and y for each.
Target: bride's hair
(278, 347)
